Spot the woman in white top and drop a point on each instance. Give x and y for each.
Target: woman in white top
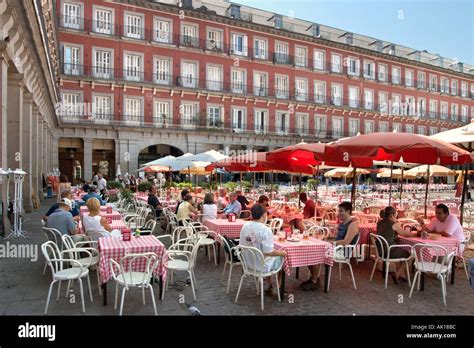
(222, 200)
(209, 208)
(95, 222)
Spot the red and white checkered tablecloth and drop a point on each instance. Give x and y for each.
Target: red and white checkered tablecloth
(305, 253)
(115, 248)
(116, 225)
(287, 217)
(225, 228)
(115, 215)
(84, 209)
(364, 231)
(451, 244)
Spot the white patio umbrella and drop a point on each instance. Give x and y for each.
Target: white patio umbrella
(434, 170)
(118, 172)
(208, 156)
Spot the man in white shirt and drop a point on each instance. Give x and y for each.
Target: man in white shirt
(256, 234)
(445, 224)
(102, 183)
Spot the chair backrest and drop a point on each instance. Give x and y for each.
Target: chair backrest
(432, 258)
(467, 236)
(381, 246)
(132, 263)
(322, 231)
(52, 234)
(52, 254)
(182, 232)
(68, 242)
(228, 251)
(276, 224)
(150, 225)
(252, 260)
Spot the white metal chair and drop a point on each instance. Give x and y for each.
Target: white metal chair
(131, 276)
(89, 262)
(52, 234)
(207, 238)
(228, 253)
(181, 257)
(323, 232)
(275, 224)
(342, 255)
(439, 263)
(60, 272)
(382, 254)
(253, 263)
(465, 243)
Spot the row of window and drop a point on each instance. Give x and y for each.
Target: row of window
(190, 117)
(133, 27)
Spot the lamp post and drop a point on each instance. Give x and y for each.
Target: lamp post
(3, 212)
(18, 177)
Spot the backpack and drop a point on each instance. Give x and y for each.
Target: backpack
(231, 244)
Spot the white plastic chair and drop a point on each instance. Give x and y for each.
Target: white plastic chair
(253, 263)
(228, 252)
(439, 264)
(322, 231)
(181, 257)
(342, 256)
(52, 234)
(207, 238)
(275, 225)
(60, 272)
(129, 277)
(465, 243)
(382, 254)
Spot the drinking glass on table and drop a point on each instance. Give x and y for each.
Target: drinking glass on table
(281, 235)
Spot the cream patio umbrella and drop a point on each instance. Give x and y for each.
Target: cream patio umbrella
(345, 172)
(433, 170)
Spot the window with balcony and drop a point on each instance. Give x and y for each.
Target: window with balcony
(72, 16)
(134, 26)
(133, 67)
(454, 87)
(421, 130)
(260, 84)
(396, 104)
(320, 92)
(464, 111)
(260, 50)
(162, 116)
(101, 109)
(353, 97)
(369, 70)
(281, 87)
(214, 40)
(301, 89)
(409, 78)
(396, 75)
(102, 64)
(133, 111)
(444, 85)
(301, 57)
(444, 111)
(336, 95)
(302, 124)
(433, 83)
(353, 67)
(433, 108)
(238, 120)
(189, 115)
(336, 63)
(260, 121)
(189, 75)
(72, 60)
(238, 81)
(189, 36)
(410, 106)
(353, 127)
(472, 112)
(70, 108)
(472, 90)
(163, 71)
(397, 127)
(464, 90)
(103, 21)
(369, 99)
(163, 31)
(368, 127)
(282, 122)
(421, 83)
(281, 53)
(383, 127)
(337, 127)
(214, 78)
(383, 102)
(409, 128)
(320, 126)
(454, 112)
(239, 45)
(433, 130)
(319, 60)
(382, 72)
(214, 116)
(421, 109)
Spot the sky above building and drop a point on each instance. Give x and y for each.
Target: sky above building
(438, 26)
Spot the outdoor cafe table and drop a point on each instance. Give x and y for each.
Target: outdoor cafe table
(224, 228)
(311, 251)
(364, 231)
(451, 244)
(114, 215)
(83, 209)
(287, 217)
(115, 248)
(115, 224)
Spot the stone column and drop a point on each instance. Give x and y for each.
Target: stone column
(27, 152)
(54, 152)
(4, 137)
(87, 169)
(34, 150)
(39, 156)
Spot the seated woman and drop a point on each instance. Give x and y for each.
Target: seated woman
(209, 208)
(389, 228)
(186, 209)
(222, 200)
(95, 222)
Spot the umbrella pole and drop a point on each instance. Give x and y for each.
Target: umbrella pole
(427, 186)
(401, 188)
(464, 191)
(390, 185)
(240, 180)
(353, 188)
(299, 192)
(271, 187)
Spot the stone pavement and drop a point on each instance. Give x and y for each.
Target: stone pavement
(23, 291)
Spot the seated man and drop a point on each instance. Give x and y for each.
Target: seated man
(256, 234)
(93, 193)
(61, 219)
(308, 211)
(154, 201)
(348, 229)
(242, 200)
(444, 224)
(74, 211)
(234, 206)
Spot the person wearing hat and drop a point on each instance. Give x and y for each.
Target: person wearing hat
(61, 219)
